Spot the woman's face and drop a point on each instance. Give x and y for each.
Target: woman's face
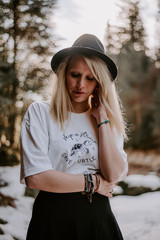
(80, 80)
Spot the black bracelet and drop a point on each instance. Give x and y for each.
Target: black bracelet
(89, 186)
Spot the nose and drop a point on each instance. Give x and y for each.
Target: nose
(80, 82)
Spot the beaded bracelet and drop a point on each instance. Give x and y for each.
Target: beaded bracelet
(89, 186)
(107, 121)
(87, 183)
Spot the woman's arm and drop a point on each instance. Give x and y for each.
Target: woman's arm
(111, 161)
(60, 182)
(56, 181)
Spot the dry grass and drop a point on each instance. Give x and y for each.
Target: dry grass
(142, 162)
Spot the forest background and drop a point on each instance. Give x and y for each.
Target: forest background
(28, 40)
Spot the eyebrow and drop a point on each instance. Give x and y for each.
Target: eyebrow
(72, 69)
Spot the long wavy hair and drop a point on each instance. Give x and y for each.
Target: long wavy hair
(61, 103)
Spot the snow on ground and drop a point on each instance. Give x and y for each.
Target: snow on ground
(17, 218)
(138, 217)
(138, 180)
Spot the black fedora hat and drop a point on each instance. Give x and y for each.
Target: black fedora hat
(88, 45)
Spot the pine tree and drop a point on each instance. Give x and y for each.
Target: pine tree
(27, 42)
(111, 42)
(134, 30)
(128, 29)
(133, 64)
(157, 32)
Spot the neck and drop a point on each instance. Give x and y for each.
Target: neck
(80, 107)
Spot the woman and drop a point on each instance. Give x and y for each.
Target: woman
(72, 147)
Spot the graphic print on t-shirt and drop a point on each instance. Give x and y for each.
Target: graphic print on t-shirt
(83, 148)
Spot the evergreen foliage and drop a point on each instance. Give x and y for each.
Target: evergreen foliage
(27, 43)
(138, 77)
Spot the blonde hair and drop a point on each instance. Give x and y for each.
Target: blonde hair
(108, 96)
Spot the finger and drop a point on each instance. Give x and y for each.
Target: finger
(96, 94)
(94, 102)
(96, 98)
(111, 191)
(110, 195)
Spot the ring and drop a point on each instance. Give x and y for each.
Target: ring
(111, 191)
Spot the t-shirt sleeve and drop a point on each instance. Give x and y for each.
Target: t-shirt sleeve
(120, 146)
(34, 143)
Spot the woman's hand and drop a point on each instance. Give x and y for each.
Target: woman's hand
(105, 188)
(97, 110)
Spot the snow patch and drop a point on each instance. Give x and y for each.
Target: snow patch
(138, 216)
(137, 180)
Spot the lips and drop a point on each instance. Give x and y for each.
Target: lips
(78, 92)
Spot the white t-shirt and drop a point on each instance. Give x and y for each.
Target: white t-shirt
(45, 146)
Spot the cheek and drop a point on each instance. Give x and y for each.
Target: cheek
(70, 83)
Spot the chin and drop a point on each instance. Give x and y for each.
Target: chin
(80, 100)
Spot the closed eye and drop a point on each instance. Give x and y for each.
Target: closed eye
(75, 75)
(90, 78)
(78, 75)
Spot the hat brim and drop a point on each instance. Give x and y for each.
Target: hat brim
(59, 56)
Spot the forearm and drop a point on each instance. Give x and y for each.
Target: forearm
(111, 161)
(60, 182)
(56, 181)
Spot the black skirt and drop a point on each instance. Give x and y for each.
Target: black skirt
(60, 216)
